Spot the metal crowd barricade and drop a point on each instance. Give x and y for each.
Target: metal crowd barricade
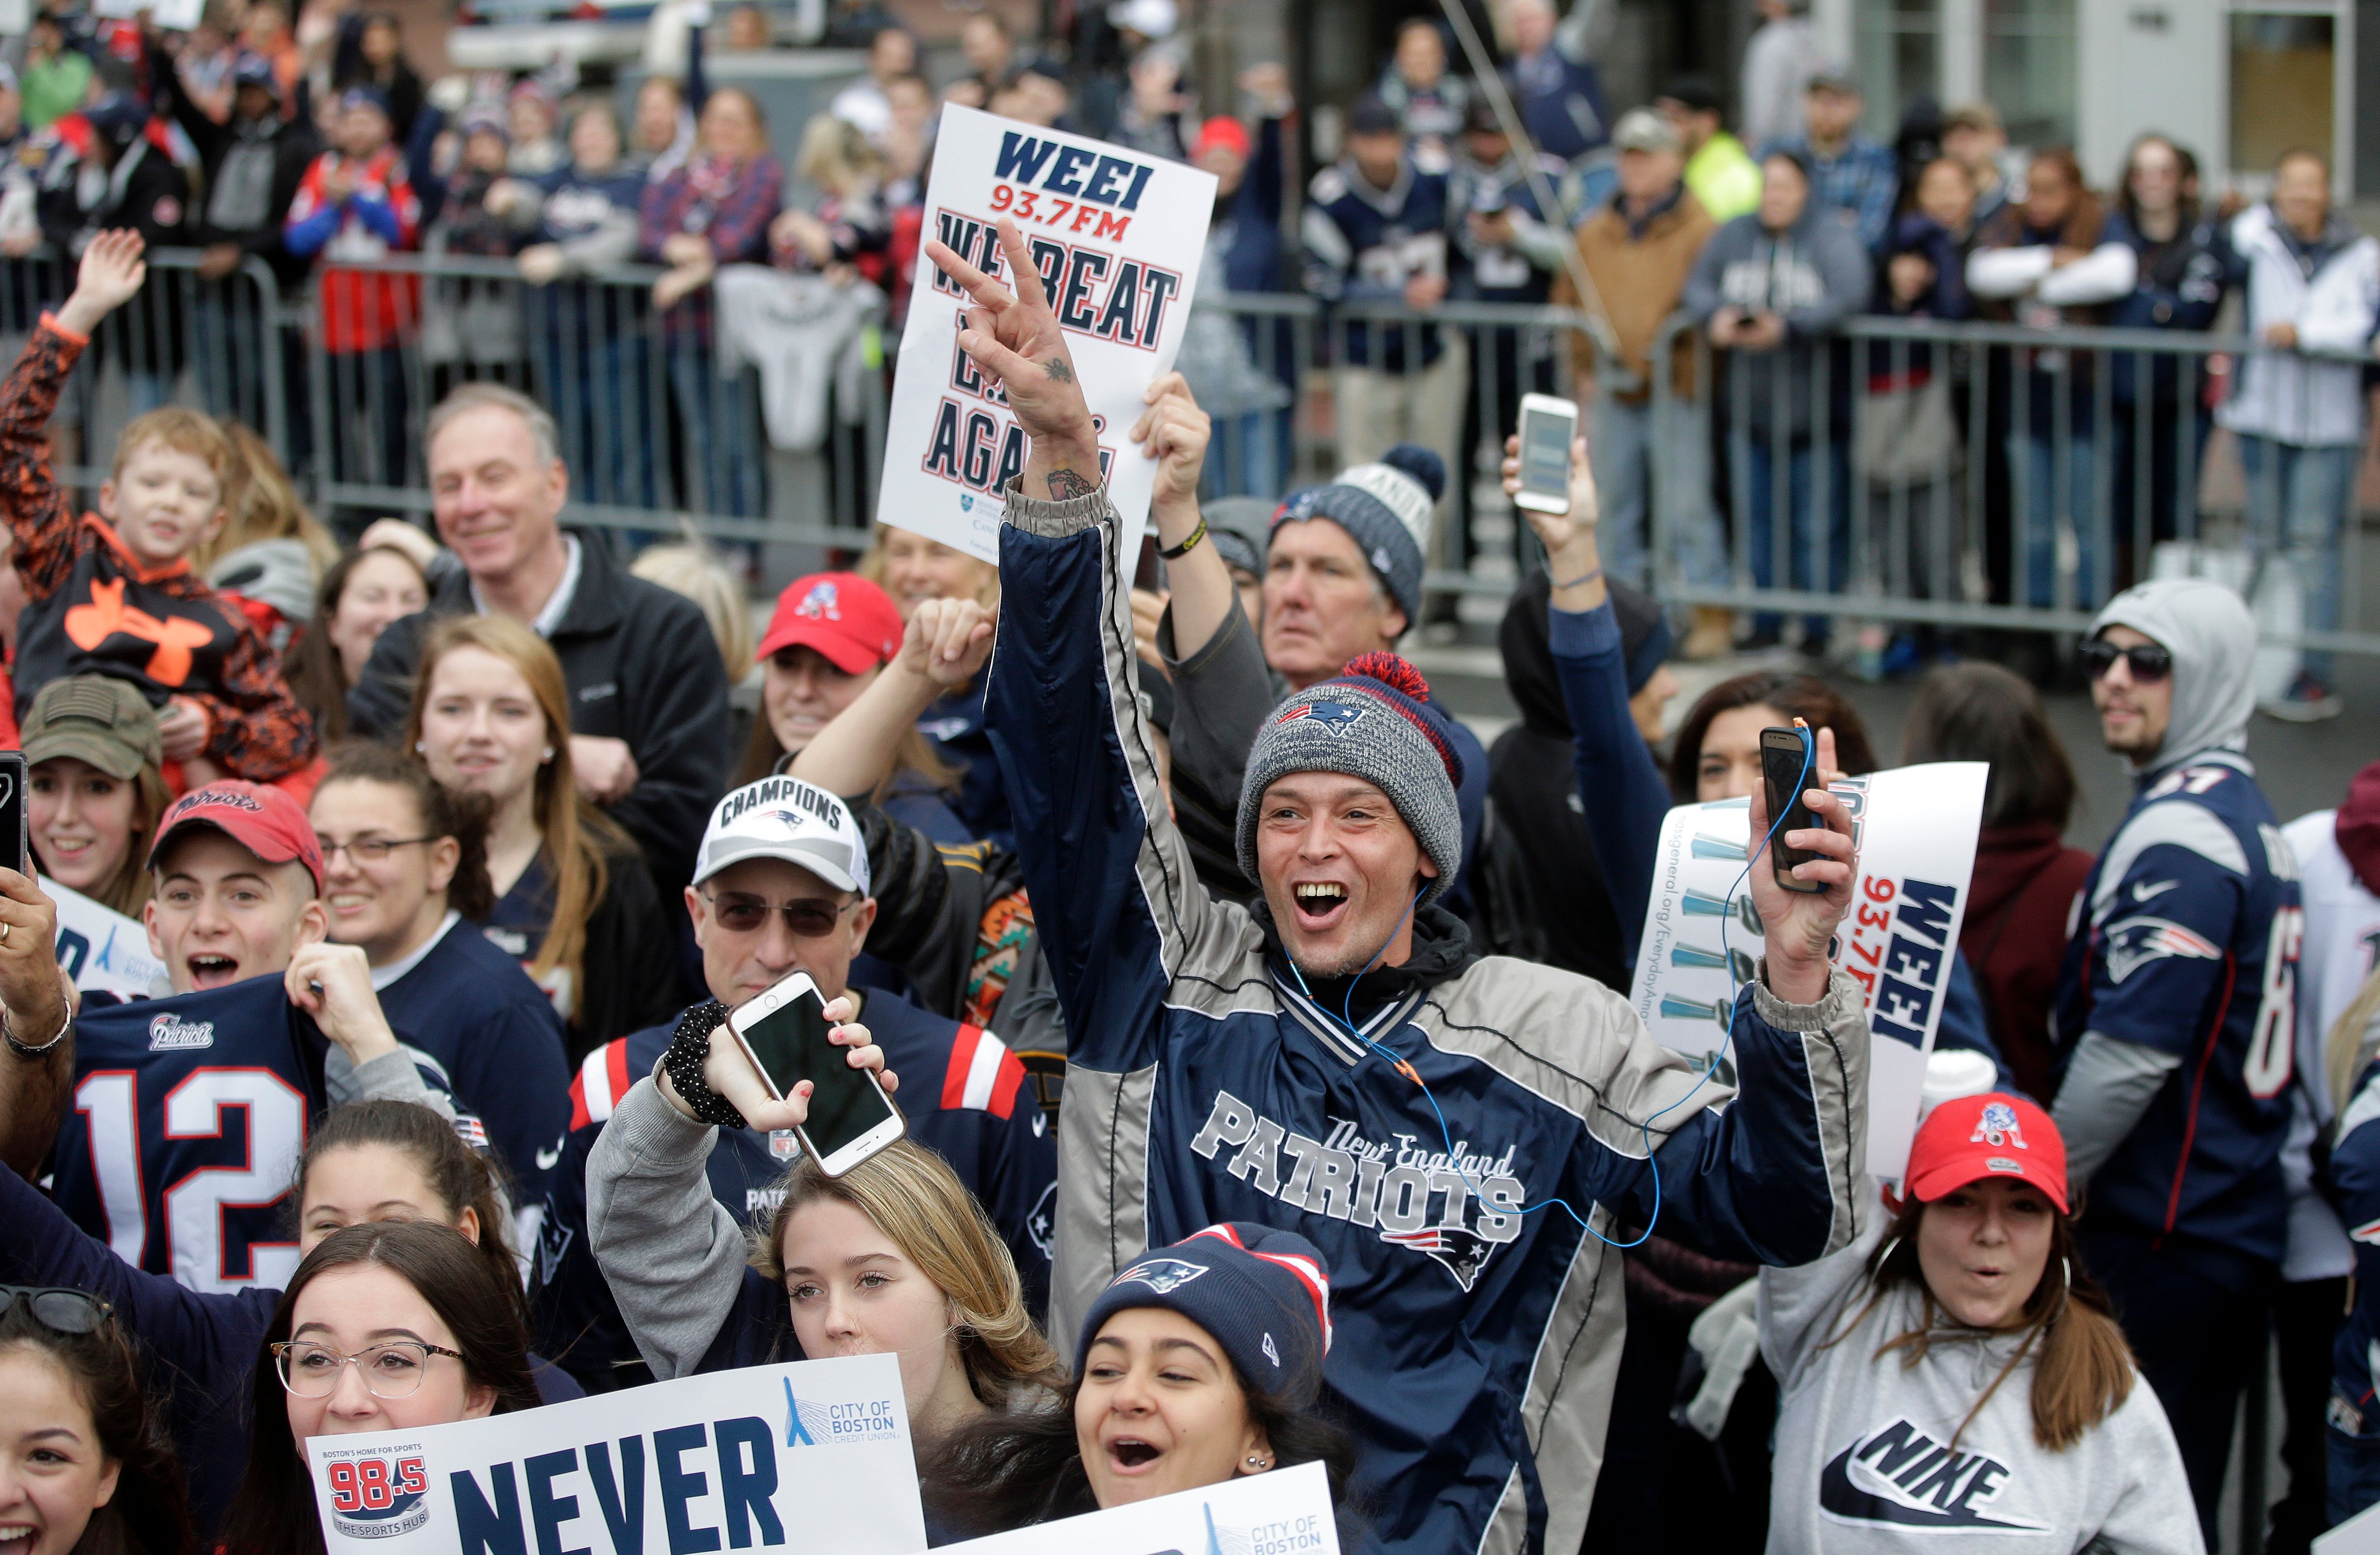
(1985, 476)
(653, 433)
(192, 335)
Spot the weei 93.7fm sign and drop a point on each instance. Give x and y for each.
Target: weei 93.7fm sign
(813, 1456)
(1917, 829)
(1116, 237)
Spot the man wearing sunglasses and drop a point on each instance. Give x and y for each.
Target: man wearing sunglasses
(781, 885)
(2177, 1010)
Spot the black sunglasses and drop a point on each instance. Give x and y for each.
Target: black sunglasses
(59, 1308)
(2148, 662)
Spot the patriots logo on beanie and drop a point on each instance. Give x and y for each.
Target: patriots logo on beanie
(1333, 716)
(1162, 1275)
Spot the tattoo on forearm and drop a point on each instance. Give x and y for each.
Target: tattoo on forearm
(1056, 368)
(1065, 485)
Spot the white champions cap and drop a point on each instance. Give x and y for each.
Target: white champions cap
(785, 818)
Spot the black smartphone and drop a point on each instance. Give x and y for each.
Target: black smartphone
(12, 809)
(1791, 768)
(784, 1032)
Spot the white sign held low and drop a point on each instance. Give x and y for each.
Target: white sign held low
(1286, 1511)
(813, 1456)
(104, 951)
(1117, 237)
(1916, 828)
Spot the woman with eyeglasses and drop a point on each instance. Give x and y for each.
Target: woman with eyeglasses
(404, 863)
(84, 1468)
(388, 1326)
(574, 901)
(368, 1160)
(1955, 1371)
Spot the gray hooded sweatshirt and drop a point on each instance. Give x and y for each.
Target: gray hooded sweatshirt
(1814, 276)
(1872, 1460)
(2206, 628)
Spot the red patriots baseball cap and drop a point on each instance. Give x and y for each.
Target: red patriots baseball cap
(848, 619)
(263, 820)
(1969, 1139)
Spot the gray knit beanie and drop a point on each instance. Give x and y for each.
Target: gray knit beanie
(1389, 507)
(1373, 721)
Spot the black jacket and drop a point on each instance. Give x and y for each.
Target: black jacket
(144, 192)
(641, 666)
(628, 979)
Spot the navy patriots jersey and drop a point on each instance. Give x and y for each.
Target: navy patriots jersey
(190, 1114)
(1362, 245)
(2355, 1188)
(2187, 942)
(963, 1092)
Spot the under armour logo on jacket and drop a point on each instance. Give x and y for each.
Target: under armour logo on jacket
(88, 626)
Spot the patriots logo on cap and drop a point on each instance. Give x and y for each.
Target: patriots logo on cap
(823, 602)
(790, 820)
(1162, 1275)
(1998, 1128)
(1333, 716)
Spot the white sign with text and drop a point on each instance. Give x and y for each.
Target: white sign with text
(1916, 828)
(1286, 1511)
(813, 1455)
(104, 951)
(1117, 237)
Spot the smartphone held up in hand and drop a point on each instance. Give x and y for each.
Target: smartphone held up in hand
(13, 820)
(1789, 764)
(784, 1032)
(1549, 426)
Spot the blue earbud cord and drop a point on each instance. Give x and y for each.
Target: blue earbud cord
(1346, 1017)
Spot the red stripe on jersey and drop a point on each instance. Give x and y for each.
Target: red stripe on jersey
(601, 1080)
(1003, 1090)
(954, 1077)
(2197, 1086)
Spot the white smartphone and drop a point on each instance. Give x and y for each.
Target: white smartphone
(1547, 427)
(784, 1032)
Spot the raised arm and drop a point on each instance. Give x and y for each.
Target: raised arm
(943, 649)
(1620, 791)
(37, 1067)
(1117, 908)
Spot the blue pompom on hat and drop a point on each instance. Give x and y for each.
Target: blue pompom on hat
(1389, 508)
(1262, 1295)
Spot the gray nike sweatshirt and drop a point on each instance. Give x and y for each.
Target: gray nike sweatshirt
(1865, 1465)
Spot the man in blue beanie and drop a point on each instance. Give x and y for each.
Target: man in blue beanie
(1343, 578)
(1336, 1060)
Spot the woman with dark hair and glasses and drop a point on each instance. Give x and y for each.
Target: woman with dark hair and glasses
(388, 1326)
(368, 1161)
(85, 1468)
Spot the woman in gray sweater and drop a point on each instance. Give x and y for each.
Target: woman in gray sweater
(1953, 1370)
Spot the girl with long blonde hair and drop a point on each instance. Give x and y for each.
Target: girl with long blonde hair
(574, 899)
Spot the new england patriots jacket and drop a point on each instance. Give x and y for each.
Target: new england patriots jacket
(1478, 1342)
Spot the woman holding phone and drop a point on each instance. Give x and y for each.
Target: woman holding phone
(894, 1257)
(435, 1331)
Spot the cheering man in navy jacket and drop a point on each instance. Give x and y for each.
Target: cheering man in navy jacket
(1291, 1064)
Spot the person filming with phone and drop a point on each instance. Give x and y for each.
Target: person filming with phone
(781, 907)
(1335, 1060)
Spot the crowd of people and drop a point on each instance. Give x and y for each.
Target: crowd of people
(1270, 1091)
(313, 148)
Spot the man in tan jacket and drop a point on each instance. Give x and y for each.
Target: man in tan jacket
(1639, 250)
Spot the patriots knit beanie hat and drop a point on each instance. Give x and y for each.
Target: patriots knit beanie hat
(1373, 721)
(1263, 1294)
(1389, 508)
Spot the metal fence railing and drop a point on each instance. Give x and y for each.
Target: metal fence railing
(1901, 471)
(1994, 475)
